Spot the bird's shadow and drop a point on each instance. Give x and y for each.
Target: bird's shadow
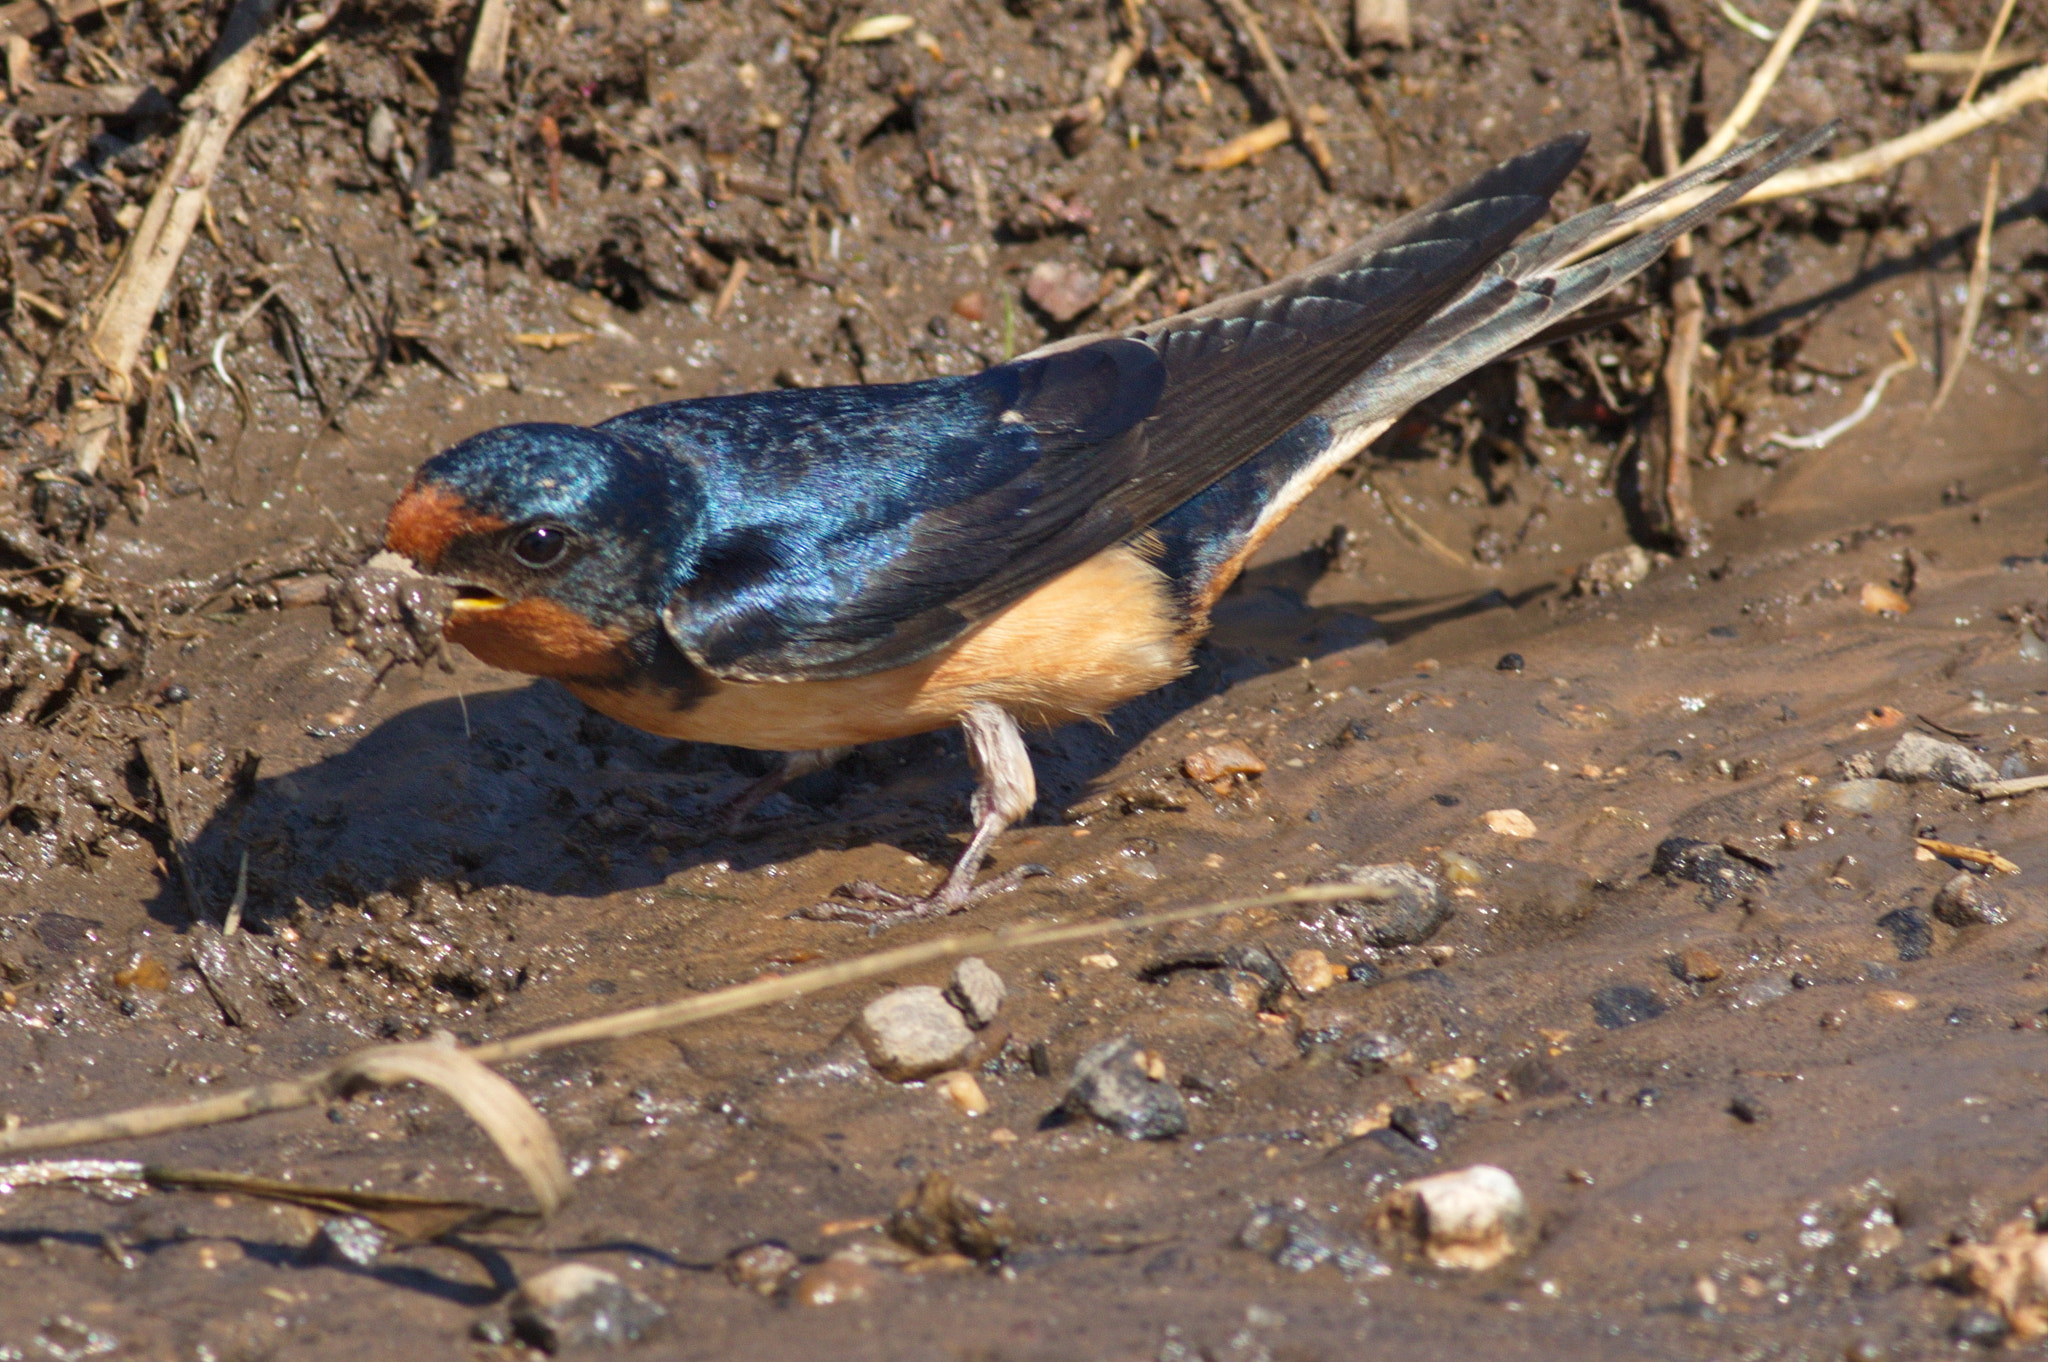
(526, 788)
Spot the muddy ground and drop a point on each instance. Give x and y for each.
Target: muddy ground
(1745, 1112)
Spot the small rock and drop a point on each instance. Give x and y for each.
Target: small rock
(1695, 966)
(1616, 570)
(1462, 871)
(834, 1282)
(1310, 971)
(1862, 766)
(577, 1305)
(1468, 1220)
(588, 309)
(1703, 863)
(913, 1033)
(380, 137)
(941, 1216)
(1509, 823)
(963, 1090)
(1891, 1000)
(347, 1239)
(1426, 1123)
(1219, 762)
(1747, 1109)
(1397, 904)
(1965, 902)
(1910, 931)
(1376, 1052)
(762, 1267)
(1509, 662)
(1299, 1242)
(1064, 289)
(1622, 1005)
(977, 991)
(1981, 1328)
(1919, 757)
(1879, 599)
(971, 306)
(1860, 796)
(1113, 1084)
(667, 376)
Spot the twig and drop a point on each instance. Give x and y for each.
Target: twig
(1238, 150)
(1688, 318)
(485, 64)
(1954, 851)
(2022, 90)
(2005, 789)
(729, 291)
(290, 1094)
(125, 312)
(1760, 84)
(1827, 435)
(1409, 526)
(1311, 141)
(1963, 63)
(1990, 50)
(1973, 301)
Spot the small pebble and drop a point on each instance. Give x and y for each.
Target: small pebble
(667, 376)
(1623, 1005)
(1310, 971)
(971, 307)
(762, 1267)
(1747, 1109)
(1509, 662)
(913, 1033)
(1462, 871)
(1891, 1000)
(1695, 966)
(834, 1282)
(941, 1216)
(1219, 762)
(1910, 932)
(1397, 905)
(589, 309)
(977, 991)
(1113, 1084)
(1099, 960)
(1860, 796)
(1919, 757)
(1879, 599)
(576, 1305)
(1981, 1328)
(1965, 902)
(1509, 823)
(380, 137)
(963, 1090)
(1063, 288)
(347, 1239)
(1468, 1220)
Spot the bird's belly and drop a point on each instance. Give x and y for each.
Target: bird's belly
(1085, 642)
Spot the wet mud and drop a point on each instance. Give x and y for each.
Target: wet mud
(1751, 1052)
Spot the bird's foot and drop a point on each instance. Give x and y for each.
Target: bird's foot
(893, 909)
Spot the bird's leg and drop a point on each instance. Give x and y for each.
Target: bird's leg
(1005, 794)
(795, 766)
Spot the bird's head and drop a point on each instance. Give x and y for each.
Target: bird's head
(557, 538)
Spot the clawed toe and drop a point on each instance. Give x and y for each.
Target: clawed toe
(892, 909)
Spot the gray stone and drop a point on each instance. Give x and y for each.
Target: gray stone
(1965, 901)
(1919, 757)
(977, 991)
(1111, 1084)
(1859, 796)
(913, 1033)
(1397, 905)
(576, 1306)
(1533, 893)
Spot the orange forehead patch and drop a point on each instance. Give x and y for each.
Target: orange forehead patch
(427, 519)
(540, 638)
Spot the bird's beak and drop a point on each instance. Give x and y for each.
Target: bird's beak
(475, 600)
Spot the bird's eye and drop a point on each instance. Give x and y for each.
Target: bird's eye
(542, 546)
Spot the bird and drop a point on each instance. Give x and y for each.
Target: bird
(805, 570)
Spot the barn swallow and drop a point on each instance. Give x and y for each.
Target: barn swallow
(806, 570)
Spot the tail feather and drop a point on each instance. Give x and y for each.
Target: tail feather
(1533, 287)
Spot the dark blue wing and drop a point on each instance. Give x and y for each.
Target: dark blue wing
(858, 529)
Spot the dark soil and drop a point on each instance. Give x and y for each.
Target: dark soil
(1745, 1104)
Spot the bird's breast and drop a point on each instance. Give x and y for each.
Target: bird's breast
(1088, 640)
